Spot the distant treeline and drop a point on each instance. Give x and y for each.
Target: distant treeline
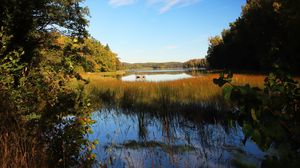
(151, 65)
(266, 33)
(193, 63)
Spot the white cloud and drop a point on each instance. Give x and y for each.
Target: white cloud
(117, 3)
(166, 5)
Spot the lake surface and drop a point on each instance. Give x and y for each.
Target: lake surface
(140, 139)
(157, 77)
(165, 138)
(160, 75)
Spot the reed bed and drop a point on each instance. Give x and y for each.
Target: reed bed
(192, 91)
(17, 149)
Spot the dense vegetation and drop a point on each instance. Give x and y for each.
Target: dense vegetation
(92, 56)
(192, 94)
(43, 45)
(266, 33)
(269, 116)
(264, 38)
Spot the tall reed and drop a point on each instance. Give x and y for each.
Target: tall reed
(19, 149)
(197, 91)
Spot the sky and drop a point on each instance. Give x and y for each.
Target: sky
(160, 30)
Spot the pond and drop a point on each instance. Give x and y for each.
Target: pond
(130, 138)
(160, 75)
(152, 124)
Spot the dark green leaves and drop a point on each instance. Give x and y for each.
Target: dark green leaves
(269, 116)
(266, 33)
(223, 79)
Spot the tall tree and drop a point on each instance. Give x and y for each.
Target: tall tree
(266, 33)
(29, 21)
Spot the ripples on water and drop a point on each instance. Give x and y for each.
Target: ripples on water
(144, 139)
(136, 139)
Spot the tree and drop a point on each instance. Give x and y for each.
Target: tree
(195, 63)
(34, 97)
(107, 47)
(266, 33)
(29, 23)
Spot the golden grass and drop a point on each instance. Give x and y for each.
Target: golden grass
(17, 150)
(191, 90)
(101, 74)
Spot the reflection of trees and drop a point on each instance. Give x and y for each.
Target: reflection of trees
(193, 72)
(142, 126)
(183, 135)
(198, 72)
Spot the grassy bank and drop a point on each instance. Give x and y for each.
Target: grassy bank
(95, 75)
(193, 92)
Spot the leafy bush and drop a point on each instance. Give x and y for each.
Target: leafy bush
(270, 117)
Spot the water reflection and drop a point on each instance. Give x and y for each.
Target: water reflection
(141, 139)
(157, 77)
(162, 74)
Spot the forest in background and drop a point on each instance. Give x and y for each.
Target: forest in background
(193, 63)
(152, 65)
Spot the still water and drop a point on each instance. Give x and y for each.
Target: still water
(140, 139)
(137, 138)
(159, 75)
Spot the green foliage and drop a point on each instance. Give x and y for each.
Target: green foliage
(223, 79)
(270, 117)
(104, 58)
(30, 21)
(35, 99)
(10, 65)
(86, 56)
(265, 34)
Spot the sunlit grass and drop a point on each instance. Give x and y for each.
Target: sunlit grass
(99, 74)
(197, 90)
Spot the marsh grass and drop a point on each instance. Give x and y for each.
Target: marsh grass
(18, 149)
(189, 94)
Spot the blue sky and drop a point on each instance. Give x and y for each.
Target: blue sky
(160, 30)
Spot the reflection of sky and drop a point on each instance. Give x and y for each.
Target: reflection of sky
(157, 70)
(214, 145)
(158, 77)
